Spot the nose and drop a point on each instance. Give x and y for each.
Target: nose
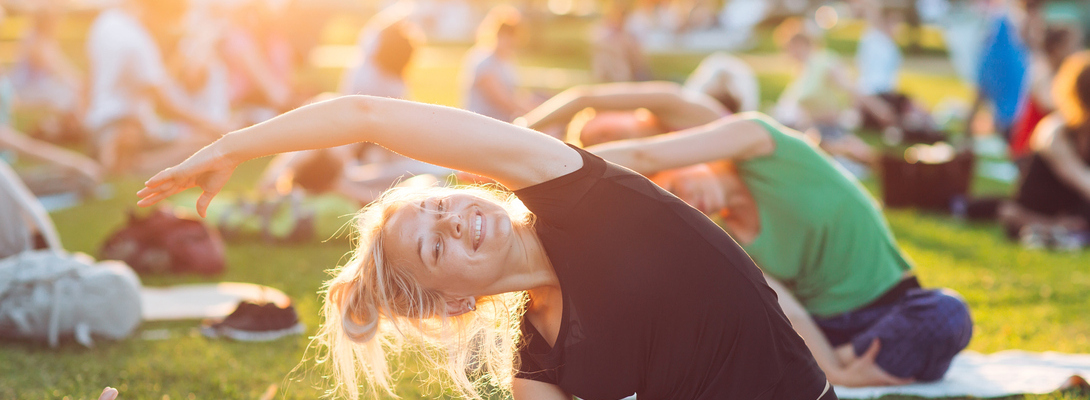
(453, 223)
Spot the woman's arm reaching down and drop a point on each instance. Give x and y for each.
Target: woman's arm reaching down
(853, 370)
(457, 139)
(730, 138)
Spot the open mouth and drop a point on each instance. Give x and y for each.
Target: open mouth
(478, 231)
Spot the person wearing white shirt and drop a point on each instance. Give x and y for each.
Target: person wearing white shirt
(129, 83)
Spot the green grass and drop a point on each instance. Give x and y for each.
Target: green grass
(1020, 299)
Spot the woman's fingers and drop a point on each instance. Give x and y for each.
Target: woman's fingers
(148, 190)
(163, 176)
(203, 202)
(155, 197)
(108, 393)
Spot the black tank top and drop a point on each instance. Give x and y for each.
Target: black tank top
(658, 300)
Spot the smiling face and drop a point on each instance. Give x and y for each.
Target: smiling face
(455, 244)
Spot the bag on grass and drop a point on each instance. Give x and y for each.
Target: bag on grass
(163, 242)
(48, 295)
(914, 181)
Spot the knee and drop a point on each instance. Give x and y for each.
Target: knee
(949, 317)
(950, 330)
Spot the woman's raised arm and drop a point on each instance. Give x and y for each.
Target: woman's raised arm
(737, 137)
(671, 103)
(457, 139)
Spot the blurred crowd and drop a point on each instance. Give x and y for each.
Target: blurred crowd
(164, 78)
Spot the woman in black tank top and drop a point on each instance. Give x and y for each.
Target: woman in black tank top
(597, 284)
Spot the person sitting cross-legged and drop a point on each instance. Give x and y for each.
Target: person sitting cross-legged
(821, 240)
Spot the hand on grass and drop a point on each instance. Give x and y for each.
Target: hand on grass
(863, 371)
(108, 393)
(209, 169)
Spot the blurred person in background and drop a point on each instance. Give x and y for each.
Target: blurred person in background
(260, 61)
(362, 171)
(878, 59)
(46, 80)
(820, 93)
(16, 144)
(1051, 206)
(1045, 60)
(1002, 68)
(728, 79)
(386, 45)
(200, 76)
(488, 73)
(821, 240)
(617, 55)
(130, 83)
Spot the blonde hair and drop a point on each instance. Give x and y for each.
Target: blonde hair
(374, 307)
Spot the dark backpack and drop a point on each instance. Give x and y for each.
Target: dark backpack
(164, 242)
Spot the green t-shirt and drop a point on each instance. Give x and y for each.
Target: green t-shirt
(821, 233)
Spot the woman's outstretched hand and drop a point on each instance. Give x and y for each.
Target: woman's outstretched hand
(209, 169)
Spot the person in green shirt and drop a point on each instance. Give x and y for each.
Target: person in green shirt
(821, 240)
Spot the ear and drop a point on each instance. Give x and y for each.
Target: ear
(459, 305)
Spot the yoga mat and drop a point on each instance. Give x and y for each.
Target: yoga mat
(1001, 374)
(204, 300)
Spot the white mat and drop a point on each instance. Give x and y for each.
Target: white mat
(1000, 374)
(204, 300)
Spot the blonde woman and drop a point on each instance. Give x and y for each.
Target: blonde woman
(595, 283)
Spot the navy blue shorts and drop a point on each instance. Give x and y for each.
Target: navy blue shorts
(920, 332)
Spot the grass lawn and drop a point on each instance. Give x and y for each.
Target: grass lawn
(1020, 299)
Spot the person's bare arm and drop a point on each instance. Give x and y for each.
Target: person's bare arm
(670, 103)
(862, 371)
(730, 138)
(46, 152)
(457, 139)
(527, 389)
(1057, 149)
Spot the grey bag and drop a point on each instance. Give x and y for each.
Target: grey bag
(47, 295)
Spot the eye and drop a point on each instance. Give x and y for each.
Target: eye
(437, 243)
(440, 206)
